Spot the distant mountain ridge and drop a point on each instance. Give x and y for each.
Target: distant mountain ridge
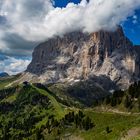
(4, 74)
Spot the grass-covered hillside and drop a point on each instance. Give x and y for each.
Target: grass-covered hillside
(34, 112)
(28, 112)
(79, 93)
(8, 80)
(127, 101)
(24, 109)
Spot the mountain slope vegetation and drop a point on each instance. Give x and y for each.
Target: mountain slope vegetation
(34, 112)
(7, 81)
(127, 101)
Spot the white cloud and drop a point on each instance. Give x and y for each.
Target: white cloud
(135, 19)
(12, 65)
(39, 20)
(3, 13)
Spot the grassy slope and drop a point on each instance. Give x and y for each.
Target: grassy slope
(125, 101)
(59, 110)
(80, 94)
(23, 97)
(7, 80)
(24, 106)
(119, 124)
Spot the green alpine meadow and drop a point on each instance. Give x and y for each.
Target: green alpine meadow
(37, 112)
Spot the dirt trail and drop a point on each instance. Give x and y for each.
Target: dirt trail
(111, 110)
(73, 138)
(132, 134)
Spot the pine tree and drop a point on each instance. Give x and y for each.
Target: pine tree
(127, 102)
(108, 129)
(113, 101)
(139, 103)
(81, 114)
(38, 135)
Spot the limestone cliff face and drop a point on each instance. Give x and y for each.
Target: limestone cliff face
(137, 65)
(80, 56)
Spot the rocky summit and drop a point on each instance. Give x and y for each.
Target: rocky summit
(109, 59)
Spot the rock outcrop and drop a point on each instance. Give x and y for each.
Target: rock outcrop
(105, 57)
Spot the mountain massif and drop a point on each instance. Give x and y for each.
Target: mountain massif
(107, 59)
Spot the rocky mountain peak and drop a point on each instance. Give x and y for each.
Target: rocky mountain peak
(80, 56)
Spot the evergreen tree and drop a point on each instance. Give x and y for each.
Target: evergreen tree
(113, 101)
(131, 91)
(108, 129)
(107, 100)
(127, 102)
(81, 114)
(139, 103)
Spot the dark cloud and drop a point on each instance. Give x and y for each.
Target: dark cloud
(32, 9)
(17, 21)
(2, 20)
(17, 46)
(3, 57)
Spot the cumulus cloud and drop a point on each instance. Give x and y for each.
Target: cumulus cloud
(13, 65)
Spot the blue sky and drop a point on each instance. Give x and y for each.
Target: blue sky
(22, 29)
(63, 3)
(132, 28)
